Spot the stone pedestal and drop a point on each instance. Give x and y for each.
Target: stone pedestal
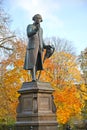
(36, 110)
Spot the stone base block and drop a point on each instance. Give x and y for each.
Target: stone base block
(36, 110)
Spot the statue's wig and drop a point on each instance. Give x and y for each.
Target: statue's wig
(37, 16)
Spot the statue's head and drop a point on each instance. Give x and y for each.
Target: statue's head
(37, 16)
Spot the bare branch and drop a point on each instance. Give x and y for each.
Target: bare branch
(7, 48)
(61, 45)
(6, 39)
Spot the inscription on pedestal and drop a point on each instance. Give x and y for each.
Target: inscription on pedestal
(27, 103)
(44, 103)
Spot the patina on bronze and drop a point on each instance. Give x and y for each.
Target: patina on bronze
(35, 47)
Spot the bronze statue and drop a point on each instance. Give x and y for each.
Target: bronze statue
(35, 47)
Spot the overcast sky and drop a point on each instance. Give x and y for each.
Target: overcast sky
(61, 18)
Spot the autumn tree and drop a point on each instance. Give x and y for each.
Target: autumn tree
(6, 36)
(60, 70)
(6, 49)
(12, 76)
(83, 64)
(64, 76)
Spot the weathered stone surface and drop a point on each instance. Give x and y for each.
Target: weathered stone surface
(36, 110)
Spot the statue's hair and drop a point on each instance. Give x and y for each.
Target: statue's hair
(37, 16)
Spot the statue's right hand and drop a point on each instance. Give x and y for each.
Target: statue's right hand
(37, 26)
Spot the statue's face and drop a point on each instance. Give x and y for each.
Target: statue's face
(38, 20)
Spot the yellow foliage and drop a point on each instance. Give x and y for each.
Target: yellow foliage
(11, 81)
(68, 103)
(62, 72)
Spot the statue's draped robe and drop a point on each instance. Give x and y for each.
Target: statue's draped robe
(34, 48)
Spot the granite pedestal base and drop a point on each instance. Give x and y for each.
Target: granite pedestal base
(36, 110)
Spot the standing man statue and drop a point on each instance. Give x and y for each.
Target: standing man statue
(35, 47)
(33, 58)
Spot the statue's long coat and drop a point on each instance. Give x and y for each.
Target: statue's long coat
(34, 48)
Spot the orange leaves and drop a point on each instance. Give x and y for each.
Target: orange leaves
(61, 70)
(59, 97)
(18, 63)
(11, 81)
(67, 103)
(63, 115)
